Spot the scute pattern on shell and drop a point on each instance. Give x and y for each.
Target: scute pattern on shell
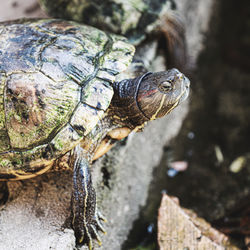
(36, 107)
(55, 85)
(131, 18)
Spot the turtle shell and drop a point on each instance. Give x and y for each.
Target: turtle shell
(55, 84)
(132, 19)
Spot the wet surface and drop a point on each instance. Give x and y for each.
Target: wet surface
(215, 133)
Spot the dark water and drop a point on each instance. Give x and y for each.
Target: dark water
(215, 133)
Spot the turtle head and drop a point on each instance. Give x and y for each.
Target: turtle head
(158, 93)
(148, 97)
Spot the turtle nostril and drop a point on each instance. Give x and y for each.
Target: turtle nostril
(180, 76)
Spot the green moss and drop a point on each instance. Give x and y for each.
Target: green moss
(5, 163)
(59, 144)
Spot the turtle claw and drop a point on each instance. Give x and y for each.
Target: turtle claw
(87, 232)
(97, 236)
(101, 217)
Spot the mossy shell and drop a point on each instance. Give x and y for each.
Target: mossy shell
(131, 18)
(55, 85)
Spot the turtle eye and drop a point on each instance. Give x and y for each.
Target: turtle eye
(166, 86)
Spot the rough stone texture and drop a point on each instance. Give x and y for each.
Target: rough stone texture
(196, 14)
(182, 229)
(39, 207)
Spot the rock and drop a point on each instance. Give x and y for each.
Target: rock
(196, 14)
(182, 229)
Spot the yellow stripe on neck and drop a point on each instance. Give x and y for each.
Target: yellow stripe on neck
(160, 107)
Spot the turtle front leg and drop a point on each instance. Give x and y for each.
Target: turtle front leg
(85, 217)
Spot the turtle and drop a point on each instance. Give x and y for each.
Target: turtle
(143, 22)
(65, 99)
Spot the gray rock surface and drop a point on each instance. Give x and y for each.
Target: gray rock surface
(39, 207)
(196, 14)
